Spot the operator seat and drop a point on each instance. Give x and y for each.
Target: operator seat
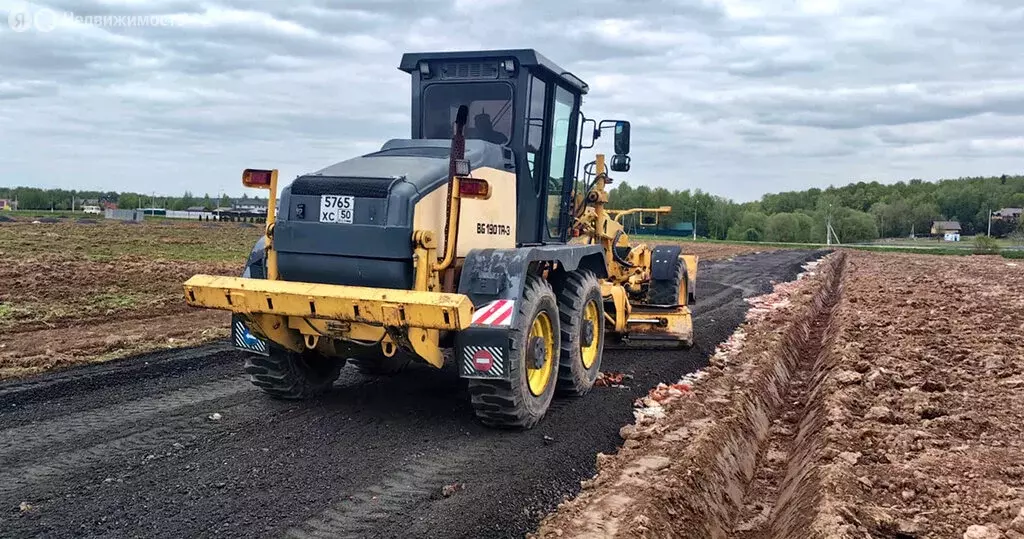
(482, 129)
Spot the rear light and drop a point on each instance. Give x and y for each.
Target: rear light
(259, 179)
(472, 187)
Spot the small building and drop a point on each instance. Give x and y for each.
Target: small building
(1011, 215)
(944, 227)
(949, 230)
(254, 205)
(8, 205)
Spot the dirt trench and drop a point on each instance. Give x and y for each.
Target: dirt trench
(734, 455)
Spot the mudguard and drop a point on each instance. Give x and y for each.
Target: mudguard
(494, 280)
(242, 338)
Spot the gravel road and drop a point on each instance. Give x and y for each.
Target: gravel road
(134, 448)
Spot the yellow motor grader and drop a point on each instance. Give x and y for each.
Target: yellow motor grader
(474, 236)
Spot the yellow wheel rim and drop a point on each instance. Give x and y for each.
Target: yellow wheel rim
(589, 353)
(538, 378)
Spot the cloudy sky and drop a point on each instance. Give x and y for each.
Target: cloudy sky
(735, 97)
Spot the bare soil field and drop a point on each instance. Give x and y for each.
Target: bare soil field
(179, 443)
(882, 395)
(84, 290)
(74, 292)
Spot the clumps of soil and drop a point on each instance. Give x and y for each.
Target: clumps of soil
(46, 220)
(889, 403)
(937, 417)
(86, 221)
(688, 459)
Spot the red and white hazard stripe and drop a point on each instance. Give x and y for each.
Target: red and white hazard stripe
(495, 313)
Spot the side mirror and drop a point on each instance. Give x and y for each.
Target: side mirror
(622, 138)
(620, 163)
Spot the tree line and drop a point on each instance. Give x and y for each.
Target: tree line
(34, 198)
(861, 211)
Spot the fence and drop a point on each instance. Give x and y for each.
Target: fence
(124, 215)
(200, 215)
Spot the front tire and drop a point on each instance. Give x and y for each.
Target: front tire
(289, 375)
(582, 319)
(672, 291)
(534, 343)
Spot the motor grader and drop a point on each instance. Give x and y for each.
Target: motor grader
(474, 241)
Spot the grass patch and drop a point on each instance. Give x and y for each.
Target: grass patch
(113, 301)
(6, 311)
(1016, 255)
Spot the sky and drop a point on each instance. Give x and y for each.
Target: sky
(733, 97)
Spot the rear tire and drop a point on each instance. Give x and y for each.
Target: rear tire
(581, 309)
(670, 291)
(289, 375)
(523, 399)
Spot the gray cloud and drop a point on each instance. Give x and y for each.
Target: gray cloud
(735, 97)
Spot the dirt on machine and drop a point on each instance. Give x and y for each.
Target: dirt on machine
(475, 241)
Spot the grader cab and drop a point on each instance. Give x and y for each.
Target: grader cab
(474, 241)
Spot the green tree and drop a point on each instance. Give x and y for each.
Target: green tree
(128, 200)
(782, 227)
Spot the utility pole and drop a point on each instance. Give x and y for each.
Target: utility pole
(695, 222)
(990, 222)
(828, 226)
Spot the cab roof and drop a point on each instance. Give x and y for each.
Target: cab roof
(527, 58)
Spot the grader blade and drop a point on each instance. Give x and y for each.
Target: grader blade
(651, 327)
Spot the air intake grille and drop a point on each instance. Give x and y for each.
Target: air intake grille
(469, 70)
(333, 185)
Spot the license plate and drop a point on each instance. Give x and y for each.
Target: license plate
(336, 209)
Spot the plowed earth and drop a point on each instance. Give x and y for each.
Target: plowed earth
(75, 292)
(880, 396)
(180, 444)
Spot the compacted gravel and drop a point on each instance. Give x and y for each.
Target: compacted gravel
(180, 444)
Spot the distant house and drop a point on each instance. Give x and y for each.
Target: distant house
(1008, 214)
(8, 205)
(949, 230)
(106, 205)
(249, 204)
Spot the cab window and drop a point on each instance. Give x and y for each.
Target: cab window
(490, 110)
(535, 125)
(560, 119)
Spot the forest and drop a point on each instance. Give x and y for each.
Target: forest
(861, 211)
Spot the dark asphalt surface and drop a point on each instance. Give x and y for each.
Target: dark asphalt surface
(128, 449)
